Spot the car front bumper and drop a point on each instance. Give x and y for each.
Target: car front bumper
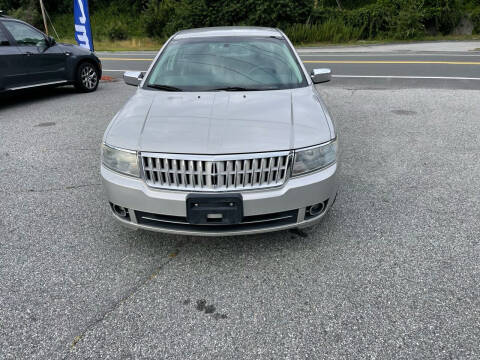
(264, 210)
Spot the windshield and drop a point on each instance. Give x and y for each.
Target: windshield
(226, 63)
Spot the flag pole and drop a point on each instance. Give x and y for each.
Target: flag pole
(43, 15)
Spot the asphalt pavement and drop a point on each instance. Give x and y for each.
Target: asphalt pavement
(391, 273)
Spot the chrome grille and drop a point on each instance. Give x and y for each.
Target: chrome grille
(215, 173)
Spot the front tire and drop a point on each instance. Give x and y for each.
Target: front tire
(87, 77)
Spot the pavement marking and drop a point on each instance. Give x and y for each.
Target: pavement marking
(385, 55)
(405, 77)
(341, 61)
(390, 62)
(120, 70)
(127, 59)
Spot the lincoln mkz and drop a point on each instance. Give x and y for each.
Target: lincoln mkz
(225, 135)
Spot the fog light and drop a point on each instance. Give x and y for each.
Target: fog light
(315, 210)
(120, 211)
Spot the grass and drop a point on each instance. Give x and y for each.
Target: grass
(149, 44)
(393, 41)
(133, 44)
(331, 31)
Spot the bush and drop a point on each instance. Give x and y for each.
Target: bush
(475, 18)
(330, 31)
(375, 19)
(30, 14)
(408, 22)
(109, 23)
(157, 15)
(399, 19)
(442, 15)
(117, 31)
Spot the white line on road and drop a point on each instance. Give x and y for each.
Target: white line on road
(405, 77)
(383, 55)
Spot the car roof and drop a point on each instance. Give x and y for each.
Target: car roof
(228, 31)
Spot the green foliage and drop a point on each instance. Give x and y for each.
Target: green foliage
(181, 14)
(303, 20)
(475, 18)
(117, 31)
(157, 15)
(408, 22)
(29, 12)
(333, 31)
(397, 19)
(109, 23)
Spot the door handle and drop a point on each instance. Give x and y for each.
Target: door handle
(29, 53)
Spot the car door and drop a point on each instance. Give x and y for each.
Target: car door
(44, 63)
(10, 71)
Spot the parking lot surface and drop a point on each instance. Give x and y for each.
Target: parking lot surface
(392, 271)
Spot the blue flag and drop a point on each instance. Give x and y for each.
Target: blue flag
(83, 32)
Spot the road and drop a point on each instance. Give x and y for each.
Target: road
(391, 272)
(438, 69)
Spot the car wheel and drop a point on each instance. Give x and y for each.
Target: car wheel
(87, 77)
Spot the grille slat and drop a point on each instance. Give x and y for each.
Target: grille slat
(215, 173)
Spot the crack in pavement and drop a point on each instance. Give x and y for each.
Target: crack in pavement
(49, 190)
(129, 294)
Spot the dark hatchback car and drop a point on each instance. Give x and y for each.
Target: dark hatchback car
(29, 58)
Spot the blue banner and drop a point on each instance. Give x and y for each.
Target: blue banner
(83, 32)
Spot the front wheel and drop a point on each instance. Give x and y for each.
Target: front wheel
(87, 77)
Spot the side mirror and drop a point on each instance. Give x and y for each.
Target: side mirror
(133, 78)
(51, 41)
(321, 75)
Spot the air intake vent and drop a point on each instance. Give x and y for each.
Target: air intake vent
(216, 173)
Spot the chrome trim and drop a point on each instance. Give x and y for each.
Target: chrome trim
(266, 220)
(225, 157)
(133, 216)
(317, 145)
(301, 214)
(119, 148)
(36, 85)
(242, 223)
(163, 220)
(211, 173)
(305, 223)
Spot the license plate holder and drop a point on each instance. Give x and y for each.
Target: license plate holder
(207, 209)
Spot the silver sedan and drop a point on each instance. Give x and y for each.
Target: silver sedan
(225, 135)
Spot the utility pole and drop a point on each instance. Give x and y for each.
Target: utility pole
(44, 17)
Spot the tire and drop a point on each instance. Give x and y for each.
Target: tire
(87, 77)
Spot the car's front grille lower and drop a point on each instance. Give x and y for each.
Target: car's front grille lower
(215, 173)
(249, 223)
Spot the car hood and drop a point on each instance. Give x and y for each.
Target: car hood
(75, 49)
(220, 122)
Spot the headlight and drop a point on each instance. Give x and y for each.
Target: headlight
(314, 158)
(123, 161)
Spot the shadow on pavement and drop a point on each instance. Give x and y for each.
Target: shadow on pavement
(31, 96)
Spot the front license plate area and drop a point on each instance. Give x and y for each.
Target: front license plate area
(206, 209)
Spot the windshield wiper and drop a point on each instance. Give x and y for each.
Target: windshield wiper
(164, 87)
(237, 88)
